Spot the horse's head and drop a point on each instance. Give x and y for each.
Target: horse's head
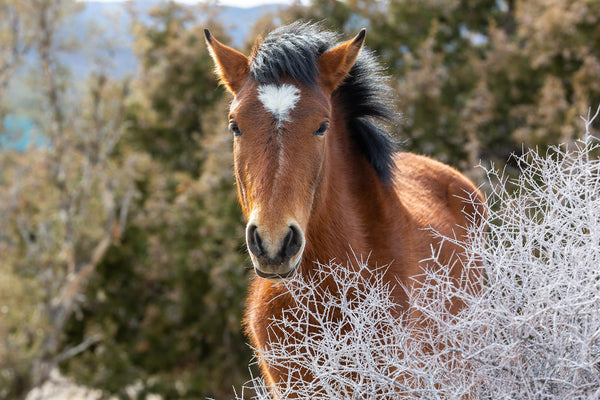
(280, 126)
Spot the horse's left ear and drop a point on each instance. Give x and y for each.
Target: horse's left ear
(232, 66)
(335, 64)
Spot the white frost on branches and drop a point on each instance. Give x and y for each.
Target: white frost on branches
(532, 332)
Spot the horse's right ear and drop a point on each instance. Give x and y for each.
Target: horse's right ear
(232, 66)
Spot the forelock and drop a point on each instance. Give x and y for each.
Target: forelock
(291, 51)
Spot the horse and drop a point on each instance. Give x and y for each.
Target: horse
(319, 175)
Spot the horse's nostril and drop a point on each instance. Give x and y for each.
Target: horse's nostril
(254, 240)
(292, 242)
(269, 252)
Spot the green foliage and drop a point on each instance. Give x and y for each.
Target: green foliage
(175, 87)
(60, 210)
(60, 205)
(171, 293)
(167, 299)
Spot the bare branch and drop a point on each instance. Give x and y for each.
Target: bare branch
(590, 120)
(80, 348)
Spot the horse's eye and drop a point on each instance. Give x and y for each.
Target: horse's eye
(234, 128)
(322, 129)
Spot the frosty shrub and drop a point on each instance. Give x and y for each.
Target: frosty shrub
(532, 332)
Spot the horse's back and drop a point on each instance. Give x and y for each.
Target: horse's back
(436, 194)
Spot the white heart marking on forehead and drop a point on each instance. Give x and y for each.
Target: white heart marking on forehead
(279, 100)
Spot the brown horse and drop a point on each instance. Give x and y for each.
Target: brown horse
(318, 176)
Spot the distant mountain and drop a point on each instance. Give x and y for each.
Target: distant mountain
(114, 21)
(236, 20)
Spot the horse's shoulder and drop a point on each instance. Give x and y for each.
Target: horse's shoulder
(437, 186)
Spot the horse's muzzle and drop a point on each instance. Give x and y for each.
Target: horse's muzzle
(274, 256)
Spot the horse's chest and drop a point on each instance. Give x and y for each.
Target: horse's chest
(265, 308)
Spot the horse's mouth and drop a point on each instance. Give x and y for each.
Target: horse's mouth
(278, 276)
(275, 277)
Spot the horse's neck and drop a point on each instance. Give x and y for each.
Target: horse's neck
(350, 202)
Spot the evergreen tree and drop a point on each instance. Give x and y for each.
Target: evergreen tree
(167, 300)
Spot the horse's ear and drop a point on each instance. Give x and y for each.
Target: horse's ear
(335, 64)
(232, 66)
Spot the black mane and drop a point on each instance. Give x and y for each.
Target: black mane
(292, 51)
